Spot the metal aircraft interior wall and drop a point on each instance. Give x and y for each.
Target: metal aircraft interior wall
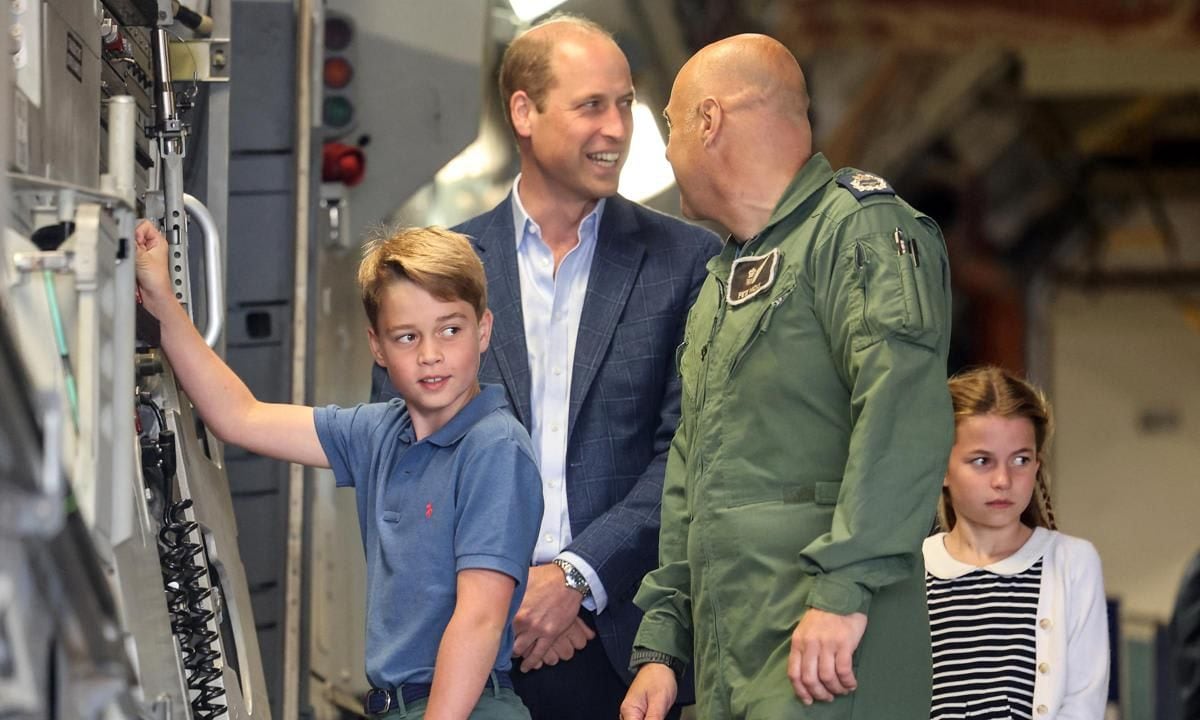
(122, 590)
(259, 297)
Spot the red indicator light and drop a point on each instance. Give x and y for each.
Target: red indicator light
(342, 163)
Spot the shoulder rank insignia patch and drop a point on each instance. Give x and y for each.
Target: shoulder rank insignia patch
(751, 275)
(861, 184)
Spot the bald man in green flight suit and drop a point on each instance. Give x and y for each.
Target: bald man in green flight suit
(816, 421)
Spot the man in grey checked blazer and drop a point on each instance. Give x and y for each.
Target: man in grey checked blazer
(567, 85)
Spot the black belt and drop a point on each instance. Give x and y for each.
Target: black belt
(385, 700)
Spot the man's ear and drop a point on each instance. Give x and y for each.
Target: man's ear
(376, 347)
(711, 117)
(521, 110)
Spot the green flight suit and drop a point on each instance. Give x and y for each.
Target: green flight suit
(805, 471)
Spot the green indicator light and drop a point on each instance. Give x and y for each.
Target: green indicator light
(337, 111)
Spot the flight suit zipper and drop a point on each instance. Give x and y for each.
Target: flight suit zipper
(718, 316)
(702, 388)
(697, 451)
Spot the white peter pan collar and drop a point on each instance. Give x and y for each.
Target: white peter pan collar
(940, 564)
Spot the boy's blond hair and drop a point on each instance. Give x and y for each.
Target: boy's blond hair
(439, 261)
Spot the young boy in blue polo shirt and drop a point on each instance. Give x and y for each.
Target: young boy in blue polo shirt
(449, 496)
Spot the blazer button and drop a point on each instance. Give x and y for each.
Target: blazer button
(1042, 709)
(1044, 668)
(1045, 623)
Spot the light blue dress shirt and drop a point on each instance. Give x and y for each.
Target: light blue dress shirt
(552, 304)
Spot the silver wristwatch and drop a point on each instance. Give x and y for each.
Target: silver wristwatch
(573, 578)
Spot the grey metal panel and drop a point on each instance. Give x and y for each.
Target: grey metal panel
(249, 325)
(215, 155)
(262, 173)
(83, 18)
(270, 639)
(256, 474)
(426, 106)
(263, 92)
(261, 255)
(260, 520)
(71, 68)
(260, 249)
(264, 369)
(102, 348)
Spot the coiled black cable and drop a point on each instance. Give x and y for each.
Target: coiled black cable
(187, 601)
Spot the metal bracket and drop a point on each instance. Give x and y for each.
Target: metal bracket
(56, 261)
(155, 204)
(166, 13)
(200, 60)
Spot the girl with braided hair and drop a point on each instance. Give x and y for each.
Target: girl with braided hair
(1016, 608)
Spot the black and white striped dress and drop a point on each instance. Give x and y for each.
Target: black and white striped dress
(984, 630)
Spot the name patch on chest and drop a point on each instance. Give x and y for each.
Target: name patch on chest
(750, 276)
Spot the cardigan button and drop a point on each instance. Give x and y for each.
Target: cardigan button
(1045, 623)
(1044, 668)
(1042, 709)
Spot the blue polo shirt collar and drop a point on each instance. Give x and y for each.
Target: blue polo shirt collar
(490, 398)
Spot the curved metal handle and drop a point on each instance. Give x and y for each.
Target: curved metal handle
(214, 288)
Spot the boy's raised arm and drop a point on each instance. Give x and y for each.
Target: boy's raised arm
(469, 645)
(284, 432)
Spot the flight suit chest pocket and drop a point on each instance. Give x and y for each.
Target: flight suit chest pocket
(761, 325)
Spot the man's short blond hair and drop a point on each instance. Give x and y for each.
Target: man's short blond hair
(439, 261)
(526, 62)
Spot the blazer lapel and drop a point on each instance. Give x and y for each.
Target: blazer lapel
(496, 245)
(615, 266)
